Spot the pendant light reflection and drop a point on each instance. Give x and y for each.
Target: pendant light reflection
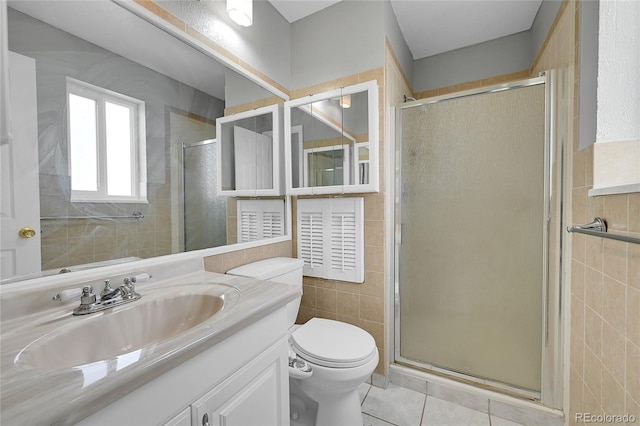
(241, 12)
(345, 101)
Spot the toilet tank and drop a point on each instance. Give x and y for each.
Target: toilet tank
(284, 270)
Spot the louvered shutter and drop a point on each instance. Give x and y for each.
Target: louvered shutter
(259, 219)
(331, 238)
(311, 236)
(248, 226)
(272, 224)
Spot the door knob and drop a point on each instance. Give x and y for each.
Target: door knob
(27, 232)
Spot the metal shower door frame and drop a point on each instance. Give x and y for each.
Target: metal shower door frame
(551, 393)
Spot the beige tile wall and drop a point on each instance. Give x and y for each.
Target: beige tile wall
(79, 241)
(605, 302)
(358, 304)
(605, 274)
(221, 263)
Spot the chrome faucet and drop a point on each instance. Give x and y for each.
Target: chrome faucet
(109, 297)
(109, 293)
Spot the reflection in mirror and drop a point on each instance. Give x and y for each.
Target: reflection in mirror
(247, 151)
(330, 136)
(161, 158)
(205, 215)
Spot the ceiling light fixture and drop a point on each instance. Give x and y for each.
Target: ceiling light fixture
(241, 12)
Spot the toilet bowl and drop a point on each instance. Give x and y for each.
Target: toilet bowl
(328, 360)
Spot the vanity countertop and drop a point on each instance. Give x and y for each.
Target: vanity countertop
(67, 395)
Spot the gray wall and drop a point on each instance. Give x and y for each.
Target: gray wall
(397, 41)
(495, 57)
(348, 37)
(238, 90)
(265, 45)
(500, 56)
(341, 40)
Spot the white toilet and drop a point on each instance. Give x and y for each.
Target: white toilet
(340, 356)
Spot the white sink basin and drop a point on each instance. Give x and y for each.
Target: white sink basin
(122, 330)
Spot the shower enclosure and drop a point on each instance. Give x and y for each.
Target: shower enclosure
(205, 213)
(477, 207)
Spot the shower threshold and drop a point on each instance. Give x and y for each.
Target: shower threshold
(475, 394)
(477, 382)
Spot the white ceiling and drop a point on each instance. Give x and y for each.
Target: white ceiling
(436, 26)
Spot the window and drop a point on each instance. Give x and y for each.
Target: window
(107, 145)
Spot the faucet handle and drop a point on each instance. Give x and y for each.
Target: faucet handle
(88, 297)
(107, 288)
(140, 278)
(128, 289)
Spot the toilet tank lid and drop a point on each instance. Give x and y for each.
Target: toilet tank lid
(267, 268)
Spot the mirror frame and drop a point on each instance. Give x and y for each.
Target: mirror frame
(371, 87)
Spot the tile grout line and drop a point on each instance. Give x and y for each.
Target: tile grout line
(489, 411)
(424, 408)
(426, 395)
(383, 420)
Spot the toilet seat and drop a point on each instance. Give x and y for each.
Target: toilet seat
(333, 344)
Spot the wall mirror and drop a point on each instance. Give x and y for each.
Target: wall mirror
(249, 153)
(331, 141)
(110, 51)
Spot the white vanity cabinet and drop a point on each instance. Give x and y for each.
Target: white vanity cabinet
(250, 153)
(241, 381)
(182, 419)
(249, 397)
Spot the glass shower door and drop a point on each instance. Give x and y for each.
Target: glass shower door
(205, 213)
(471, 258)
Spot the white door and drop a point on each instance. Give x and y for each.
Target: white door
(253, 159)
(20, 199)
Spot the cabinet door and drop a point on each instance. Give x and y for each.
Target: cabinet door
(258, 394)
(250, 153)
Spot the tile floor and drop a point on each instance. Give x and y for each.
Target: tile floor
(399, 406)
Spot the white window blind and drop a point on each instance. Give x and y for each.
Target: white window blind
(331, 238)
(259, 219)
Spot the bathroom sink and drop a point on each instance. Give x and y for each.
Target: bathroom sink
(114, 333)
